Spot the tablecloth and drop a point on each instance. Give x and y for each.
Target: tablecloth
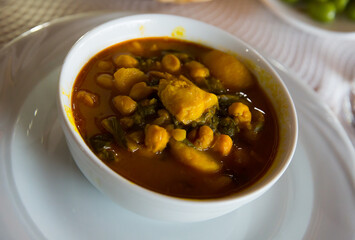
(325, 64)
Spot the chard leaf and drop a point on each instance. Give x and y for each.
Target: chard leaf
(112, 125)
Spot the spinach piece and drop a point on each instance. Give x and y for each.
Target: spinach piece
(147, 64)
(214, 85)
(112, 125)
(145, 109)
(101, 145)
(228, 127)
(258, 121)
(188, 143)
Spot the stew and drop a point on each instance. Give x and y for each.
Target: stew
(176, 117)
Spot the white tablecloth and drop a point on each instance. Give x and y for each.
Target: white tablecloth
(326, 65)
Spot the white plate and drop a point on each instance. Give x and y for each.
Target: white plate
(340, 27)
(43, 195)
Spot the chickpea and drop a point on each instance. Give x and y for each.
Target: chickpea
(89, 99)
(197, 70)
(126, 122)
(241, 113)
(154, 47)
(136, 48)
(171, 63)
(140, 91)
(223, 144)
(105, 80)
(125, 78)
(104, 65)
(124, 104)
(178, 134)
(156, 138)
(205, 137)
(126, 61)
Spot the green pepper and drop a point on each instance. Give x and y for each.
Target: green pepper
(350, 10)
(322, 11)
(340, 5)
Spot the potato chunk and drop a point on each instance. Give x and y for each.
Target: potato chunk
(125, 78)
(198, 160)
(156, 138)
(184, 100)
(229, 70)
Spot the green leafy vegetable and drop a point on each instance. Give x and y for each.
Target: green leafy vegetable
(145, 110)
(215, 86)
(102, 146)
(228, 126)
(112, 125)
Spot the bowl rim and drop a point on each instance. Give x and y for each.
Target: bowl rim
(239, 196)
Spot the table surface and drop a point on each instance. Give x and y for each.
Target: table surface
(325, 64)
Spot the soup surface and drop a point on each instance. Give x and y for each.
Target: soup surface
(176, 117)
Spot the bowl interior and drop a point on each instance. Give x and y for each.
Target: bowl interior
(154, 25)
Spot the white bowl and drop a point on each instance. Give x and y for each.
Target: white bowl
(135, 197)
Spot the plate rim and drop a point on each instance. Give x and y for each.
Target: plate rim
(275, 5)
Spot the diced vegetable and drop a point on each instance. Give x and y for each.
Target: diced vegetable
(198, 160)
(229, 70)
(184, 100)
